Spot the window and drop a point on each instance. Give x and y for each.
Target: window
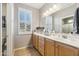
(24, 21)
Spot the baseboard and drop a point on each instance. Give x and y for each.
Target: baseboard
(0, 53)
(22, 47)
(19, 48)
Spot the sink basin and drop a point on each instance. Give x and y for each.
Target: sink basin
(64, 36)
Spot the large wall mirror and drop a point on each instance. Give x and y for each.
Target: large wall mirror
(66, 24)
(62, 20)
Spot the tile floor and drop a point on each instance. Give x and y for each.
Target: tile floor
(26, 52)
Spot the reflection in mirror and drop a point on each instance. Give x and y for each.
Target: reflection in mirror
(67, 25)
(47, 23)
(53, 26)
(60, 24)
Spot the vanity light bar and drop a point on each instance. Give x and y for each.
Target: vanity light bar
(50, 10)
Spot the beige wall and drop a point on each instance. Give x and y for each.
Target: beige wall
(19, 39)
(4, 9)
(0, 31)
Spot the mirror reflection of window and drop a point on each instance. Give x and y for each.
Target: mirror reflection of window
(48, 23)
(53, 27)
(67, 26)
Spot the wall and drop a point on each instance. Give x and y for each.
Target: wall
(4, 9)
(25, 39)
(59, 15)
(0, 31)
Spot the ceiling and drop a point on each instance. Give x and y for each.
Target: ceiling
(36, 5)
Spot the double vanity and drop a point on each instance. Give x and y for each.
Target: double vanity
(56, 44)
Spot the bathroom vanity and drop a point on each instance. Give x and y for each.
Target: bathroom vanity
(55, 46)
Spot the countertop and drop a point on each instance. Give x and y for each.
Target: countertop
(71, 42)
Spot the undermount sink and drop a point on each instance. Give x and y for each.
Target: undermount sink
(64, 36)
(47, 34)
(61, 37)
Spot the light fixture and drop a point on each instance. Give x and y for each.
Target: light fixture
(55, 6)
(50, 9)
(70, 21)
(47, 12)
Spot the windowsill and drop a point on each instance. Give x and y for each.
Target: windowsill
(25, 33)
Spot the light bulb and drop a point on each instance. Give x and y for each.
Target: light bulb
(50, 9)
(47, 12)
(70, 21)
(54, 6)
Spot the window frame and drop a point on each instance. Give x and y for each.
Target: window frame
(19, 30)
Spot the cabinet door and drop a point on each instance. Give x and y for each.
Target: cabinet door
(41, 45)
(34, 40)
(49, 47)
(65, 50)
(56, 49)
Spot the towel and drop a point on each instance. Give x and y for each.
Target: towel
(76, 22)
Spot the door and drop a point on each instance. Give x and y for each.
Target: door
(10, 28)
(49, 47)
(34, 41)
(65, 50)
(41, 45)
(0, 29)
(37, 42)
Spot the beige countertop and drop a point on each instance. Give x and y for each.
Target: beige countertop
(70, 41)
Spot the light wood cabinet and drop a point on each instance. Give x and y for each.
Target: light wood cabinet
(66, 50)
(49, 48)
(35, 41)
(56, 49)
(41, 45)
